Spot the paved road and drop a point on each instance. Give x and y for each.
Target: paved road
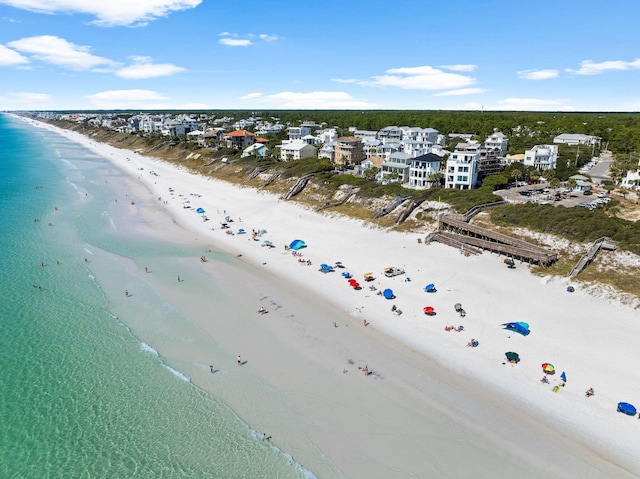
(600, 171)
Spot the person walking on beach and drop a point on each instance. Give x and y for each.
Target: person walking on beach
(179, 280)
(126, 293)
(239, 360)
(211, 368)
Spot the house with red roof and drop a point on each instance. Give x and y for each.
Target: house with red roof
(239, 139)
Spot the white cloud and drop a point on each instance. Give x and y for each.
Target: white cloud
(460, 68)
(250, 96)
(532, 104)
(60, 52)
(11, 57)
(317, 100)
(145, 69)
(127, 99)
(461, 91)
(345, 80)
(537, 74)
(420, 78)
(25, 101)
(235, 42)
(108, 13)
(588, 67)
(267, 38)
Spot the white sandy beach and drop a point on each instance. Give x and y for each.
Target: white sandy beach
(371, 426)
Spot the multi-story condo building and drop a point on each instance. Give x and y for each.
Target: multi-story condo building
(348, 151)
(461, 171)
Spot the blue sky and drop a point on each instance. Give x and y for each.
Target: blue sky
(358, 54)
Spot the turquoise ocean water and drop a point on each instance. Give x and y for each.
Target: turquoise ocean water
(81, 395)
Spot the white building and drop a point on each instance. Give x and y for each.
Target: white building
(421, 169)
(298, 132)
(542, 157)
(497, 140)
(326, 135)
(327, 151)
(296, 150)
(577, 139)
(396, 168)
(462, 167)
(390, 134)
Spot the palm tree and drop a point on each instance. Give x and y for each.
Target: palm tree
(516, 173)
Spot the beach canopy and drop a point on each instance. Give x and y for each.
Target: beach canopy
(388, 294)
(518, 327)
(297, 244)
(548, 368)
(626, 408)
(511, 356)
(325, 268)
(430, 288)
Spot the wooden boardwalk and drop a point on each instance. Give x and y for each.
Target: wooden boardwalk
(601, 243)
(478, 237)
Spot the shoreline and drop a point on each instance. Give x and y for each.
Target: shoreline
(471, 281)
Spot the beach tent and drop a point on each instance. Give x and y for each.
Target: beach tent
(430, 288)
(563, 376)
(346, 274)
(297, 244)
(548, 368)
(388, 294)
(512, 357)
(626, 408)
(518, 327)
(325, 268)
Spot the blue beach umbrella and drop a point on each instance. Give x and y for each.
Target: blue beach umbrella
(200, 210)
(626, 408)
(388, 294)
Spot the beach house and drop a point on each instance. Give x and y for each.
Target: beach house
(461, 171)
(239, 139)
(542, 157)
(497, 140)
(395, 169)
(259, 150)
(422, 169)
(295, 150)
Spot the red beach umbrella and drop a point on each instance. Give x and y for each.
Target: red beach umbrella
(429, 310)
